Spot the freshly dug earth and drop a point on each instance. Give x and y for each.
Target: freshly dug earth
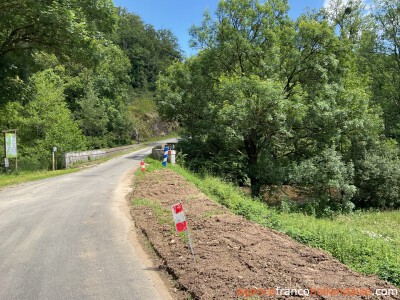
(234, 257)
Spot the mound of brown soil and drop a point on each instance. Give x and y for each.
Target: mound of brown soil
(235, 257)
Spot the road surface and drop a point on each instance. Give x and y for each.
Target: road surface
(70, 237)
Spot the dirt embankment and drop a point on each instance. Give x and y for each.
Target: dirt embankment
(235, 257)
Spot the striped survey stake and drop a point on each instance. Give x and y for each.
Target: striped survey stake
(165, 158)
(179, 217)
(180, 223)
(143, 166)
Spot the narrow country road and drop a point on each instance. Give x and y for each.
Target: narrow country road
(68, 237)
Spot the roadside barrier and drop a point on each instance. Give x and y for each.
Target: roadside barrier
(70, 158)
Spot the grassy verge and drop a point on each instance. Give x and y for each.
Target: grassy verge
(26, 176)
(165, 137)
(163, 215)
(368, 242)
(21, 177)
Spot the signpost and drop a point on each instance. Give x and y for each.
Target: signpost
(6, 163)
(10, 146)
(54, 157)
(181, 224)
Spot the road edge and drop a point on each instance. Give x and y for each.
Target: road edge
(161, 280)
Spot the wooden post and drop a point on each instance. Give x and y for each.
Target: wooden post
(5, 153)
(54, 150)
(6, 164)
(53, 160)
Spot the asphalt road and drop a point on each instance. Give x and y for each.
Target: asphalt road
(67, 237)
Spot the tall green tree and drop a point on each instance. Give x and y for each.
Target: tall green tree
(150, 51)
(57, 26)
(45, 121)
(67, 29)
(384, 61)
(233, 92)
(272, 91)
(255, 113)
(92, 118)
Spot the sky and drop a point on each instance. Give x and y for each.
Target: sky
(180, 15)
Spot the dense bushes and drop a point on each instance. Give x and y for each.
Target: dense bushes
(44, 122)
(328, 182)
(378, 181)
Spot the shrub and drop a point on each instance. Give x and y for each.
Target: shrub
(378, 181)
(328, 181)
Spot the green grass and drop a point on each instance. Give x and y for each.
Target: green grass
(21, 177)
(144, 104)
(165, 137)
(144, 114)
(163, 215)
(26, 176)
(368, 242)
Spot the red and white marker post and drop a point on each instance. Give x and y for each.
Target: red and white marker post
(143, 166)
(181, 224)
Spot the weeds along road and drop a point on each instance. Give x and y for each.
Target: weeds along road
(68, 237)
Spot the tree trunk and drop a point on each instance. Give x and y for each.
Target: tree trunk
(250, 143)
(255, 187)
